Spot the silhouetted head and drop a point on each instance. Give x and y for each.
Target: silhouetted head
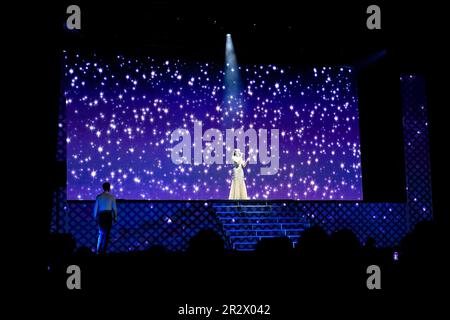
(206, 243)
(278, 246)
(370, 242)
(314, 241)
(345, 242)
(106, 187)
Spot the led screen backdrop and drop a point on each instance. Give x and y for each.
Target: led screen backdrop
(160, 129)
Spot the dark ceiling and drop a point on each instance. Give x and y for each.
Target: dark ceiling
(282, 32)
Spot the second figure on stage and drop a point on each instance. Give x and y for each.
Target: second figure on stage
(238, 189)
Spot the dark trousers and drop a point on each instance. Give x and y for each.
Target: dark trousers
(104, 220)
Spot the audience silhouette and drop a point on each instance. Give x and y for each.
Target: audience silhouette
(317, 260)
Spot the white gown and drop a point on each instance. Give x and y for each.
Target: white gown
(238, 189)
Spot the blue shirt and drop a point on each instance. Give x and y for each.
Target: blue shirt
(105, 202)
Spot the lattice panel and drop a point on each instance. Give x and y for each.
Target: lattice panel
(172, 224)
(418, 172)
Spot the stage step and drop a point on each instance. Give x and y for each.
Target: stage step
(258, 219)
(246, 223)
(257, 226)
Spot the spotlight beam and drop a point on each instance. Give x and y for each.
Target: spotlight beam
(233, 84)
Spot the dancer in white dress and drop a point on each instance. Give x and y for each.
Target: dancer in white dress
(238, 189)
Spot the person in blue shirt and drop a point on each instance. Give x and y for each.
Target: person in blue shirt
(105, 212)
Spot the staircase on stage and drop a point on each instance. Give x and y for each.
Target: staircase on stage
(246, 222)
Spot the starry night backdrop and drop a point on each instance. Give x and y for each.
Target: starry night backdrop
(121, 111)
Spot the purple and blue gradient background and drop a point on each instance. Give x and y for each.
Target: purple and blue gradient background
(121, 110)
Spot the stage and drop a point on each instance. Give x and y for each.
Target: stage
(170, 224)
